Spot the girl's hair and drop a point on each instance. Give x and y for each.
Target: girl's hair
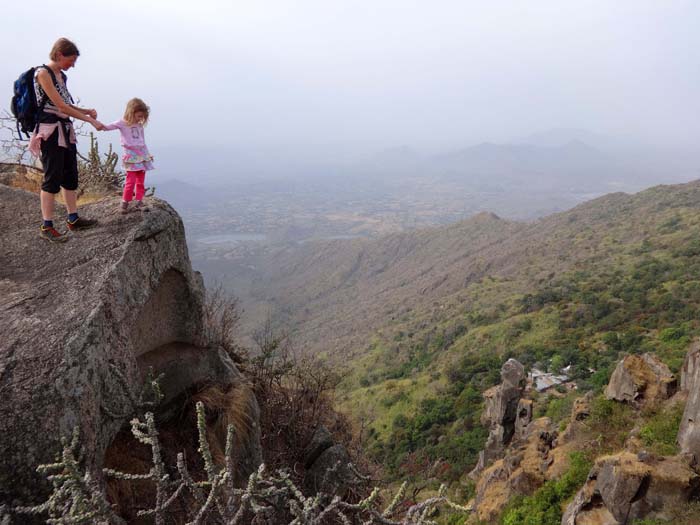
(65, 47)
(134, 105)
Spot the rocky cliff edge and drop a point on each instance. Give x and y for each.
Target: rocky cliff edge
(120, 296)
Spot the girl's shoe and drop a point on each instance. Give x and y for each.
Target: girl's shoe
(140, 206)
(124, 207)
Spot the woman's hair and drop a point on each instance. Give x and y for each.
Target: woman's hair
(134, 105)
(65, 47)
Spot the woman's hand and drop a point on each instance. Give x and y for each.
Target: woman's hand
(91, 113)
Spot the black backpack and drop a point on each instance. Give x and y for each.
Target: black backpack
(24, 106)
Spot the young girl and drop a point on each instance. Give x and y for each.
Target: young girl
(136, 159)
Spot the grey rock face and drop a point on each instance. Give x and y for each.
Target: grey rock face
(122, 294)
(618, 488)
(622, 488)
(689, 431)
(641, 379)
(501, 412)
(320, 442)
(523, 418)
(691, 367)
(331, 472)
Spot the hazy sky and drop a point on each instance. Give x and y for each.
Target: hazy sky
(319, 74)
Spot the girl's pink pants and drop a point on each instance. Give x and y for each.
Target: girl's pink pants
(134, 184)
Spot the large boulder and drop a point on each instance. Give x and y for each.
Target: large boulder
(501, 412)
(689, 431)
(641, 380)
(625, 487)
(121, 296)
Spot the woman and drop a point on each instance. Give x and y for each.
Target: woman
(55, 139)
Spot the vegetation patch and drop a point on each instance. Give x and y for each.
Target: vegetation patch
(661, 429)
(544, 507)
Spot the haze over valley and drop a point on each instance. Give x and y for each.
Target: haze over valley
(240, 224)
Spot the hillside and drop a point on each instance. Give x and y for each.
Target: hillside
(339, 293)
(424, 320)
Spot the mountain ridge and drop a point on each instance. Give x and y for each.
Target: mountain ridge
(437, 262)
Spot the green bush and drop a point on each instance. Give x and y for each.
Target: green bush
(611, 421)
(660, 431)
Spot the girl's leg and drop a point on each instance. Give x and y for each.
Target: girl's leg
(128, 194)
(140, 186)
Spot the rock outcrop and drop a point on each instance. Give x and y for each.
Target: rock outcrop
(641, 380)
(122, 295)
(327, 465)
(623, 487)
(500, 413)
(521, 470)
(689, 431)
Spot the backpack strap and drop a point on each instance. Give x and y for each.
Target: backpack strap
(40, 109)
(46, 97)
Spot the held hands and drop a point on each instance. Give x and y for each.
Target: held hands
(98, 125)
(91, 113)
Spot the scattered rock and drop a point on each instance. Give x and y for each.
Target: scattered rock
(582, 407)
(523, 419)
(500, 413)
(320, 441)
(331, 472)
(521, 471)
(641, 379)
(621, 488)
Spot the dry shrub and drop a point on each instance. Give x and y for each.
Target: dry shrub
(295, 392)
(178, 434)
(221, 317)
(224, 408)
(99, 174)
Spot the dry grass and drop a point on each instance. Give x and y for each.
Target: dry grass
(224, 408)
(179, 434)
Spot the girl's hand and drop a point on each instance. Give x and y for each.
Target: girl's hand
(98, 125)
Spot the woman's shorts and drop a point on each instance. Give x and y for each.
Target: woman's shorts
(60, 165)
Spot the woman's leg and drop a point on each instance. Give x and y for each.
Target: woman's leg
(47, 205)
(71, 198)
(128, 194)
(140, 186)
(52, 159)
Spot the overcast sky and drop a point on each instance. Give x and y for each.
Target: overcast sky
(314, 75)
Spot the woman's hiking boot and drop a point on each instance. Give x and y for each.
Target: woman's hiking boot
(51, 234)
(124, 207)
(140, 206)
(80, 223)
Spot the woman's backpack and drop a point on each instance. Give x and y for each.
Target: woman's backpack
(24, 106)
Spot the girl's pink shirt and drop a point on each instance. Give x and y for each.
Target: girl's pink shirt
(130, 135)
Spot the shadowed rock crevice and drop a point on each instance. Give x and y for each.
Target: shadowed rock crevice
(165, 316)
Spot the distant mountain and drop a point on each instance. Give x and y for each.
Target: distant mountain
(574, 164)
(552, 138)
(339, 293)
